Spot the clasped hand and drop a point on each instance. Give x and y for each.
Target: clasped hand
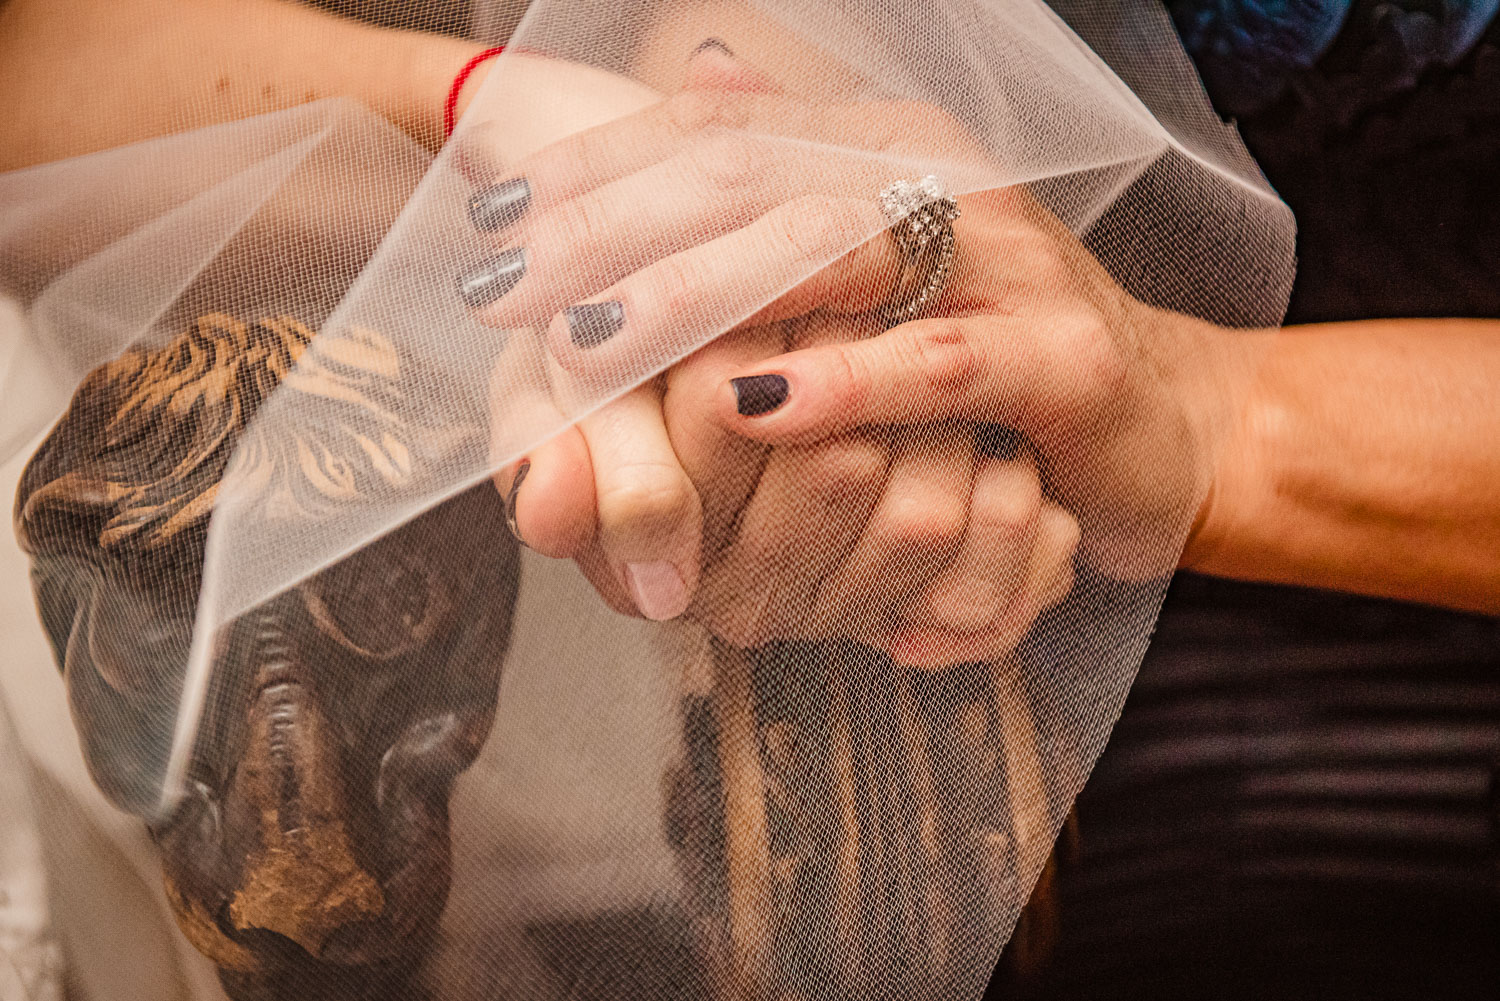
(811, 475)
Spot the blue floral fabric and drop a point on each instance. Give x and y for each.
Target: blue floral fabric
(1250, 52)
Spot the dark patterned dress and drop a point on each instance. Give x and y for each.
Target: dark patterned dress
(1302, 798)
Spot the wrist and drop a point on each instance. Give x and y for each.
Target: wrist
(1241, 445)
(1215, 376)
(402, 75)
(434, 64)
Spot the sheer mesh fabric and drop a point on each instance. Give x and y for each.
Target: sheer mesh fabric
(382, 750)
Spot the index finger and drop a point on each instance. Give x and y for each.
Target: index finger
(906, 135)
(589, 159)
(655, 316)
(1026, 373)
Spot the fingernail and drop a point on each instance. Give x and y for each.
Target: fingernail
(510, 500)
(997, 441)
(713, 43)
(759, 394)
(658, 590)
(590, 324)
(491, 280)
(497, 207)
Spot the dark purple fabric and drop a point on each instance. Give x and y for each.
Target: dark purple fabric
(1299, 801)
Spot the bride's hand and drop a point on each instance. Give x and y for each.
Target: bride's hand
(692, 213)
(578, 216)
(1106, 389)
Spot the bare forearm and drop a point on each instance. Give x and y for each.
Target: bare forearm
(82, 75)
(1367, 461)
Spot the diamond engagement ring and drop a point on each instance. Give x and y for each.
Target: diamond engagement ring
(921, 215)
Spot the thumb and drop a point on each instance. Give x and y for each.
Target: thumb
(982, 368)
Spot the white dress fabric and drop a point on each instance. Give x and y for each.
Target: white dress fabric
(30, 959)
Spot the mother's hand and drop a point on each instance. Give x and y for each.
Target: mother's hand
(1123, 403)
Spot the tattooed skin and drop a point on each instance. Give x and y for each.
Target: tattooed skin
(311, 857)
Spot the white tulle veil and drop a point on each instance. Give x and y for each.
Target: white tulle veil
(801, 820)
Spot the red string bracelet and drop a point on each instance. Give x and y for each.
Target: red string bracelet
(450, 106)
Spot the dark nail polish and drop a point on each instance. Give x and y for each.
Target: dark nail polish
(713, 43)
(497, 207)
(759, 394)
(997, 441)
(492, 279)
(510, 500)
(590, 324)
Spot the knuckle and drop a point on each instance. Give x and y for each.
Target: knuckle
(815, 229)
(1066, 530)
(1104, 373)
(846, 469)
(897, 122)
(1008, 506)
(691, 110)
(900, 119)
(921, 525)
(1058, 573)
(667, 288)
(585, 223)
(729, 161)
(651, 499)
(853, 379)
(585, 158)
(700, 109)
(943, 353)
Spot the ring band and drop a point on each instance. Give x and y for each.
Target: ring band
(921, 214)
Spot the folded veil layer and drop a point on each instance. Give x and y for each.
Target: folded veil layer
(269, 312)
